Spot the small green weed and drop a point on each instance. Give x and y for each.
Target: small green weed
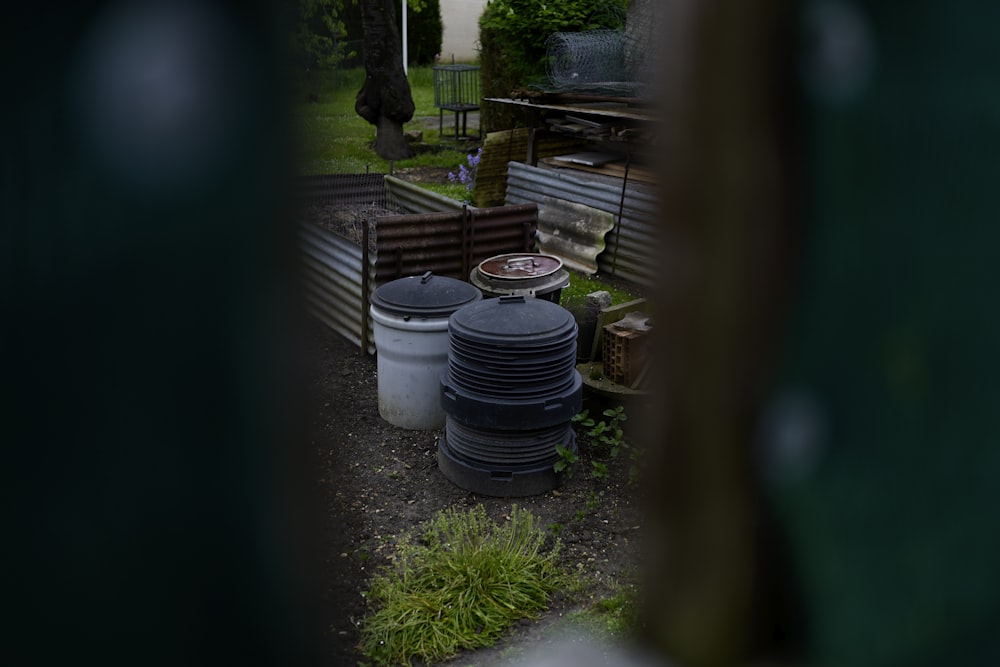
(593, 501)
(460, 585)
(567, 461)
(609, 433)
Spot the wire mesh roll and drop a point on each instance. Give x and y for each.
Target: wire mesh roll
(590, 60)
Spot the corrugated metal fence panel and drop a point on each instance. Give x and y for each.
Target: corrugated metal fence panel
(630, 248)
(332, 281)
(407, 196)
(346, 190)
(451, 243)
(410, 244)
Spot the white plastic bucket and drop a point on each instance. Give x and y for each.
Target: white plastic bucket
(411, 342)
(411, 354)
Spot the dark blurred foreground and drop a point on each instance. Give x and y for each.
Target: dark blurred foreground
(153, 468)
(826, 462)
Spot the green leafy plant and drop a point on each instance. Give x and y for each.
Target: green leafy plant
(317, 28)
(609, 433)
(459, 585)
(567, 460)
(424, 32)
(525, 24)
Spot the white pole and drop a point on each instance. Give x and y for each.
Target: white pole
(404, 39)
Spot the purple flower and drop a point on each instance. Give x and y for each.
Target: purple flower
(474, 159)
(467, 175)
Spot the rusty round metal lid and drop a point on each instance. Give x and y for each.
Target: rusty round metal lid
(519, 266)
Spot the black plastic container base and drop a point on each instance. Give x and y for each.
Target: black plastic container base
(497, 483)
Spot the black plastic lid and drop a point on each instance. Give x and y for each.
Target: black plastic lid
(513, 319)
(424, 296)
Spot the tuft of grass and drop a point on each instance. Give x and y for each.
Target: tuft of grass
(616, 616)
(454, 191)
(459, 586)
(620, 612)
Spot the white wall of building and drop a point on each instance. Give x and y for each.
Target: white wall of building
(461, 29)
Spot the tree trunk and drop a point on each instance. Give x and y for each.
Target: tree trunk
(384, 100)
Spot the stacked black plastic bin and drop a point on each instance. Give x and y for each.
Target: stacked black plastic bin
(509, 392)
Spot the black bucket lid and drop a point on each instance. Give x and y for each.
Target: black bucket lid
(424, 296)
(514, 320)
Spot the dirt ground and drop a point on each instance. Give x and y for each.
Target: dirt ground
(377, 481)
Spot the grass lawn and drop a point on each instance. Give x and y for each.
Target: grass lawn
(335, 140)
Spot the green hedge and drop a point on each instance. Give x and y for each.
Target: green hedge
(512, 36)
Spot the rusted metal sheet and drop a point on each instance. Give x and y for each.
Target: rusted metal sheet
(630, 250)
(451, 243)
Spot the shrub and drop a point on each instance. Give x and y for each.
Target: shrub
(512, 36)
(424, 31)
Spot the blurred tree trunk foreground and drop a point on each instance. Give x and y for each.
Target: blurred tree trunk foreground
(384, 100)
